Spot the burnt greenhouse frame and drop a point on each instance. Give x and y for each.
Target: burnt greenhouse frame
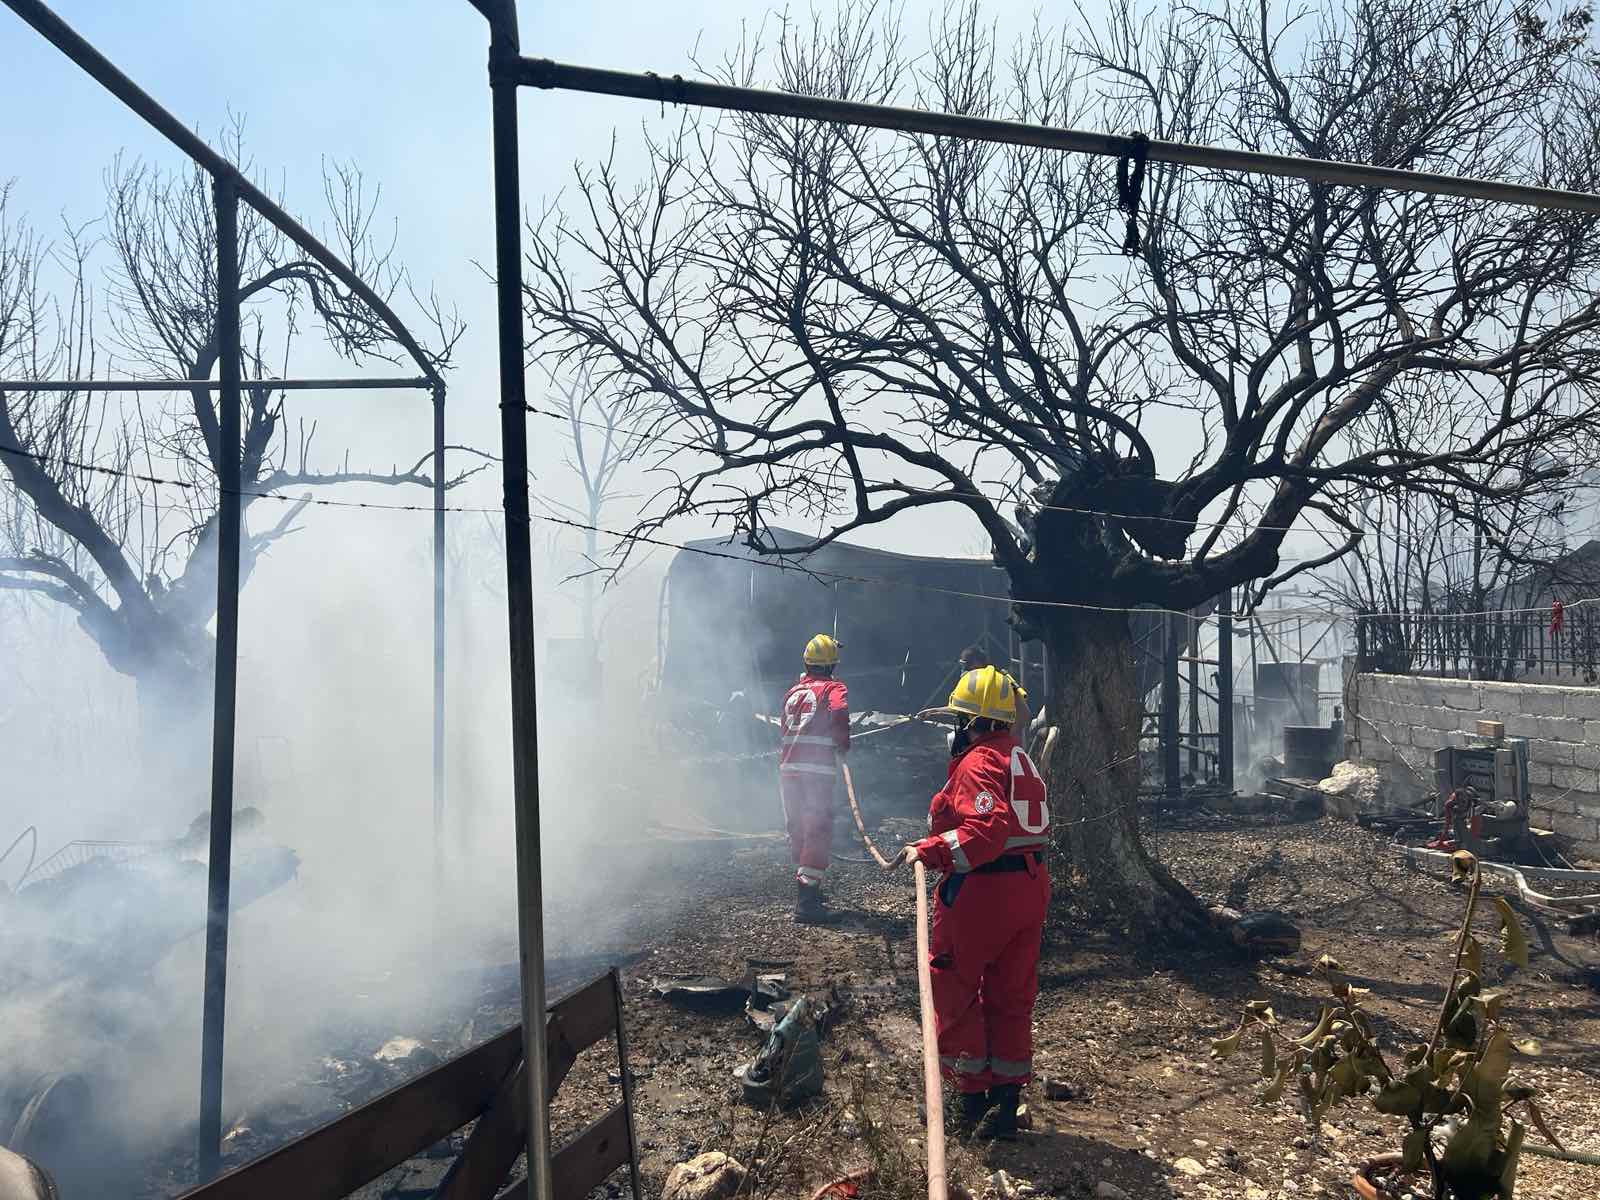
(509, 71)
(230, 188)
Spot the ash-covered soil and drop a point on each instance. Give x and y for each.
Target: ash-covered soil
(1127, 1030)
(1123, 1030)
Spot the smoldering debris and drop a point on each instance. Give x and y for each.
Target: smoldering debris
(81, 937)
(106, 911)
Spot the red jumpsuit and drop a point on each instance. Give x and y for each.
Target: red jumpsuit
(815, 728)
(990, 826)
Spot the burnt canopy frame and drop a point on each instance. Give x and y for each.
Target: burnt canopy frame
(230, 188)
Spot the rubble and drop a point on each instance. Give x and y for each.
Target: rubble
(23, 1179)
(407, 1052)
(1352, 788)
(789, 1067)
(709, 1176)
(710, 992)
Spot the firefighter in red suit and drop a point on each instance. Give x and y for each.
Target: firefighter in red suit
(815, 729)
(989, 827)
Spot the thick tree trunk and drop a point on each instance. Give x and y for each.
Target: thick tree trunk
(175, 714)
(1092, 773)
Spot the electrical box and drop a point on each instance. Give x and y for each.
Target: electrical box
(1483, 795)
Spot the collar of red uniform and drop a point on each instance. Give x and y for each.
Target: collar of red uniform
(987, 739)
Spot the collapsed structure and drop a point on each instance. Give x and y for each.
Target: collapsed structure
(732, 621)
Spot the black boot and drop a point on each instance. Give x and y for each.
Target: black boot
(973, 1105)
(808, 906)
(1000, 1122)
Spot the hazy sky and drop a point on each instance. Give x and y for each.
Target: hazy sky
(398, 87)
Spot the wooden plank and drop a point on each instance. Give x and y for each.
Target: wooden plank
(333, 1161)
(576, 1023)
(583, 1163)
(580, 1021)
(497, 1139)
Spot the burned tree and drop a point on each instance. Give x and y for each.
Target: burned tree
(113, 509)
(855, 324)
(602, 441)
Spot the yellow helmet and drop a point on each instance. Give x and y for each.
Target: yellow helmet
(822, 651)
(985, 692)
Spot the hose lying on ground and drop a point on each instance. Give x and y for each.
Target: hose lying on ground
(1565, 906)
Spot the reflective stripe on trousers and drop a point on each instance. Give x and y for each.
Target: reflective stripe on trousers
(805, 768)
(964, 1066)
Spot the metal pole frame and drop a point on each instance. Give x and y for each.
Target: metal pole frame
(1171, 764)
(220, 862)
(184, 385)
(231, 187)
(504, 88)
(1225, 691)
(659, 89)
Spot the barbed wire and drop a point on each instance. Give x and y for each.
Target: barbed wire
(781, 563)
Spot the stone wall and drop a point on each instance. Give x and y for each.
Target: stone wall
(1396, 722)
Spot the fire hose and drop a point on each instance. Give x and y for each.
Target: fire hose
(1565, 906)
(932, 1090)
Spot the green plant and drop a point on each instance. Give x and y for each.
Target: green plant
(1466, 1119)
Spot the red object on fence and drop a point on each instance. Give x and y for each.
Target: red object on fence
(1557, 611)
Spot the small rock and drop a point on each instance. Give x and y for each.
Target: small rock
(1300, 1143)
(407, 1051)
(1105, 1190)
(709, 1176)
(1058, 1089)
(1189, 1167)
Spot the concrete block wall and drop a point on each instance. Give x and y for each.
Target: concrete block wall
(1396, 722)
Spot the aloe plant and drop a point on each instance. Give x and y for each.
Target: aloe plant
(1466, 1119)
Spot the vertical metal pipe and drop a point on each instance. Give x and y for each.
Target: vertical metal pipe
(214, 1007)
(625, 1074)
(1225, 691)
(1194, 696)
(1169, 707)
(519, 602)
(438, 636)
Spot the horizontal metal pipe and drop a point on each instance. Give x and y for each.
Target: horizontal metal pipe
(102, 70)
(545, 73)
(178, 385)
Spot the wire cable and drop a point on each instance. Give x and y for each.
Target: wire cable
(781, 563)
